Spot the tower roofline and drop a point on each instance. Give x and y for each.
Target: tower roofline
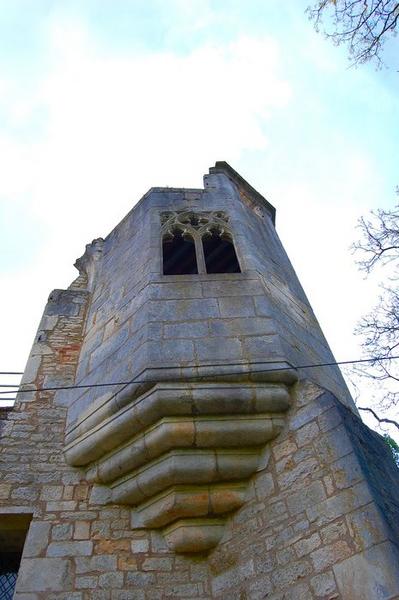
(222, 166)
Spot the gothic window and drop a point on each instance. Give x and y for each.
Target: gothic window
(197, 243)
(179, 256)
(219, 253)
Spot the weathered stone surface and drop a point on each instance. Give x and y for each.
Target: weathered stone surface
(99, 563)
(37, 539)
(369, 575)
(45, 575)
(315, 517)
(81, 548)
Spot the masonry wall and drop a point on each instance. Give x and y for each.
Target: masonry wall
(320, 517)
(312, 526)
(147, 326)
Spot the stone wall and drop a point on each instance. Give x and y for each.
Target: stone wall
(143, 325)
(310, 527)
(319, 520)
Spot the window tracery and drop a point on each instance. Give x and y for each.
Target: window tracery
(197, 242)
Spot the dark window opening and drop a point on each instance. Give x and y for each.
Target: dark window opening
(220, 255)
(179, 256)
(9, 565)
(13, 530)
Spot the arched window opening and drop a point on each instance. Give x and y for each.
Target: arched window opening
(219, 253)
(179, 256)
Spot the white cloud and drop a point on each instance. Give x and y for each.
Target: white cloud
(114, 126)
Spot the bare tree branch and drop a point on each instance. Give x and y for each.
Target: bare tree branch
(363, 25)
(380, 419)
(378, 246)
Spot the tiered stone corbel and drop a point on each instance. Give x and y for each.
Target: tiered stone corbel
(182, 454)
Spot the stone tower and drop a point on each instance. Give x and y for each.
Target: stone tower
(174, 437)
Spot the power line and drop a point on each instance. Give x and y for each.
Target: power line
(126, 383)
(11, 372)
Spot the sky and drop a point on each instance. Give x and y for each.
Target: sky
(101, 100)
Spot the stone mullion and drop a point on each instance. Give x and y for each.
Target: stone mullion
(199, 251)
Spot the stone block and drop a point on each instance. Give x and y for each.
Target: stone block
(175, 290)
(81, 548)
(293, 476)
(111, 580)
(172, 352)
(62, 306)
(323, 585)
(306, 498)
(313, 410)
(182, 310)
(51, 492)
(45, 575)
(334, 531)
(367, 527)
(61, 505)
(108, 347)
(62, 531)
(226, 583)
(138, 579)
(301, 591)
(346, 471)
(327, 556)
(285, 577)
(236, 306)
(264, 485)
(333, 445)
(241, 326)
(211, 350)
(100, 563)
(307, 433)
(128, 595)
(25, 493)
(100, 495)
(216, 289)
(139, 546)
(330, 419)
(285, 448)
(158, 564)
(186, 329)
(88, 582)
(262, 306)
(261, 588)
(31, 370)
(82, 530)
(369, 575)
(5, 489)
(266, 347)
(330, 509)
(307, 545)
(37, 539)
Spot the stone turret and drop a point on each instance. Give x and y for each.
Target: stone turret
(194, 301)
(173, 436)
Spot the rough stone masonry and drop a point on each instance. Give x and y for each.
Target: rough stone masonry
(214, 467)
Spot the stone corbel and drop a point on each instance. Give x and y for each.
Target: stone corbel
(182, 454)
